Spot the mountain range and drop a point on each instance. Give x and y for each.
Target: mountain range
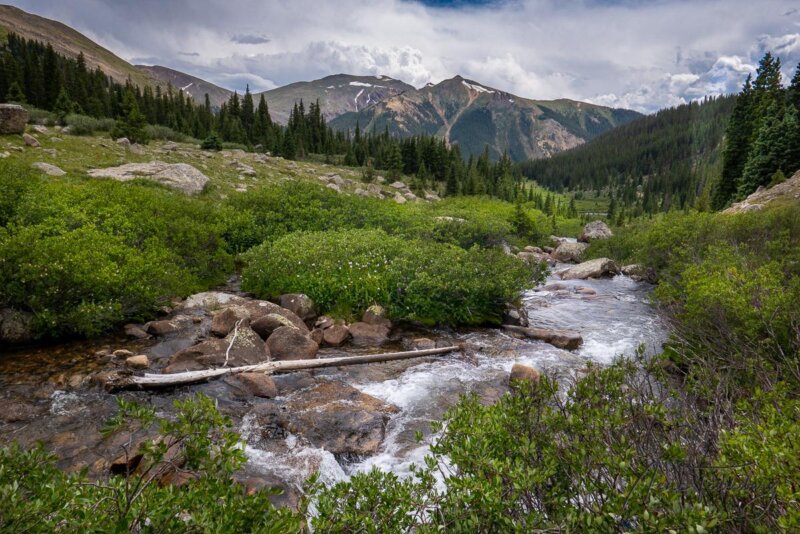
(461, 111)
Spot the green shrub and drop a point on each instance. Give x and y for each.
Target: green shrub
(86, 255)
(85, 125)
(164, 133)
(416, 280)
(211, 142)
(41, 116)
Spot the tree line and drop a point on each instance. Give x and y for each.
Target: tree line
(663, 161)
(763, 136)
(33, 73)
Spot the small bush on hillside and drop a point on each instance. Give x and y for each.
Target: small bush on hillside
(211, 142)
(163, 133)
(41, 116)
(86, 125)
(423, 281)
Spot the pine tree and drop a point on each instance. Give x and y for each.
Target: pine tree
(767, 155)
(737, 147)
(63, 105)
(132, 123)
(15, 94)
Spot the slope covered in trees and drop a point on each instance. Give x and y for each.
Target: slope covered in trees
(662, 161)
(763, 136)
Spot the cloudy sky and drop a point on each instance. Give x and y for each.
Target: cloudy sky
(642, 55)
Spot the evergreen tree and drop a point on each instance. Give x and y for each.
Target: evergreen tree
(63, 105)
(768, 153)
(15, 94)
(132, 123)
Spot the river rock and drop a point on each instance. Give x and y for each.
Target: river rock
(48, 169)
(516, 316)
(14, 411)
(421, 343)
(13, 119)
(365, 334)
(339, 418)
(140, 361)
(336, 335)
(290, 343)
(16, 326)
(534, 257)
(225, 321)
(558, 338)
(300, 304)
(595, 230)
(161, 328)
(211, 300)
(30, 140)
(266, 325)
(121, 354)
(324, 322)
(376, 315)
(569, 252)
(180, 176)
(596, 268)
(135, 331)
(640, 273)
(523, 373)
(258, 385)
(317, 335)
(246, 348)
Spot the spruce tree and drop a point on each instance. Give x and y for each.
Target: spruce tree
(15, 94)
(132, 123)
(767, 155)
(737, 147)
(63, 105)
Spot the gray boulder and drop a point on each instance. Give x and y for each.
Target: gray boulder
(13, 119)
(246, 348)
(369, 334)
(266, 325)
(336, 335)
(595, 230)
(48, 169)
(569, 252)
(31, 140)
(180, 176)
(596, 268)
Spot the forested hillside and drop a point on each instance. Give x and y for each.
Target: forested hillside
(662, 161)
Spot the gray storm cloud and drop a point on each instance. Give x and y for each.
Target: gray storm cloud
(642, 56)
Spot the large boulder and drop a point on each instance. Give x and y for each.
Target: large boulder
(257, 384)
(300, 304)
(595, 230)
(367, 335)
(225, 320)
(290, 343)
(13, 119)
(336, 335)
(265, 326)
(596, 268)
(15, 326)
(569, 252)
(180, 176)
(516, 316)
(640, 273)
(246, 348)
(339, 418)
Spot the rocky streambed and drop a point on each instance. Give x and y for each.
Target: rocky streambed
(334, 421)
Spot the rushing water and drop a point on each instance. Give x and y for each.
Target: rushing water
(613, 316)
(614, 321)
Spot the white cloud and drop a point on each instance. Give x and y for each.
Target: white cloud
(640, 55)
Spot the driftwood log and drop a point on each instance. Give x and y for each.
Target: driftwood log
(155, 381)
(558, 338)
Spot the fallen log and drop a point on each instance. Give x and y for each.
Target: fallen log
(558, 338)
(155, 381)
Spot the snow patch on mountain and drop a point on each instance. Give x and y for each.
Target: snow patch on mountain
(476, 87)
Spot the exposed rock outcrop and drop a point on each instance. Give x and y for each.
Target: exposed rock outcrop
(787, 191)
(180, 176)
(48, 169)
(569, 252)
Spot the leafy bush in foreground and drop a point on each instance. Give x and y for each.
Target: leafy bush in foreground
(348, 270)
